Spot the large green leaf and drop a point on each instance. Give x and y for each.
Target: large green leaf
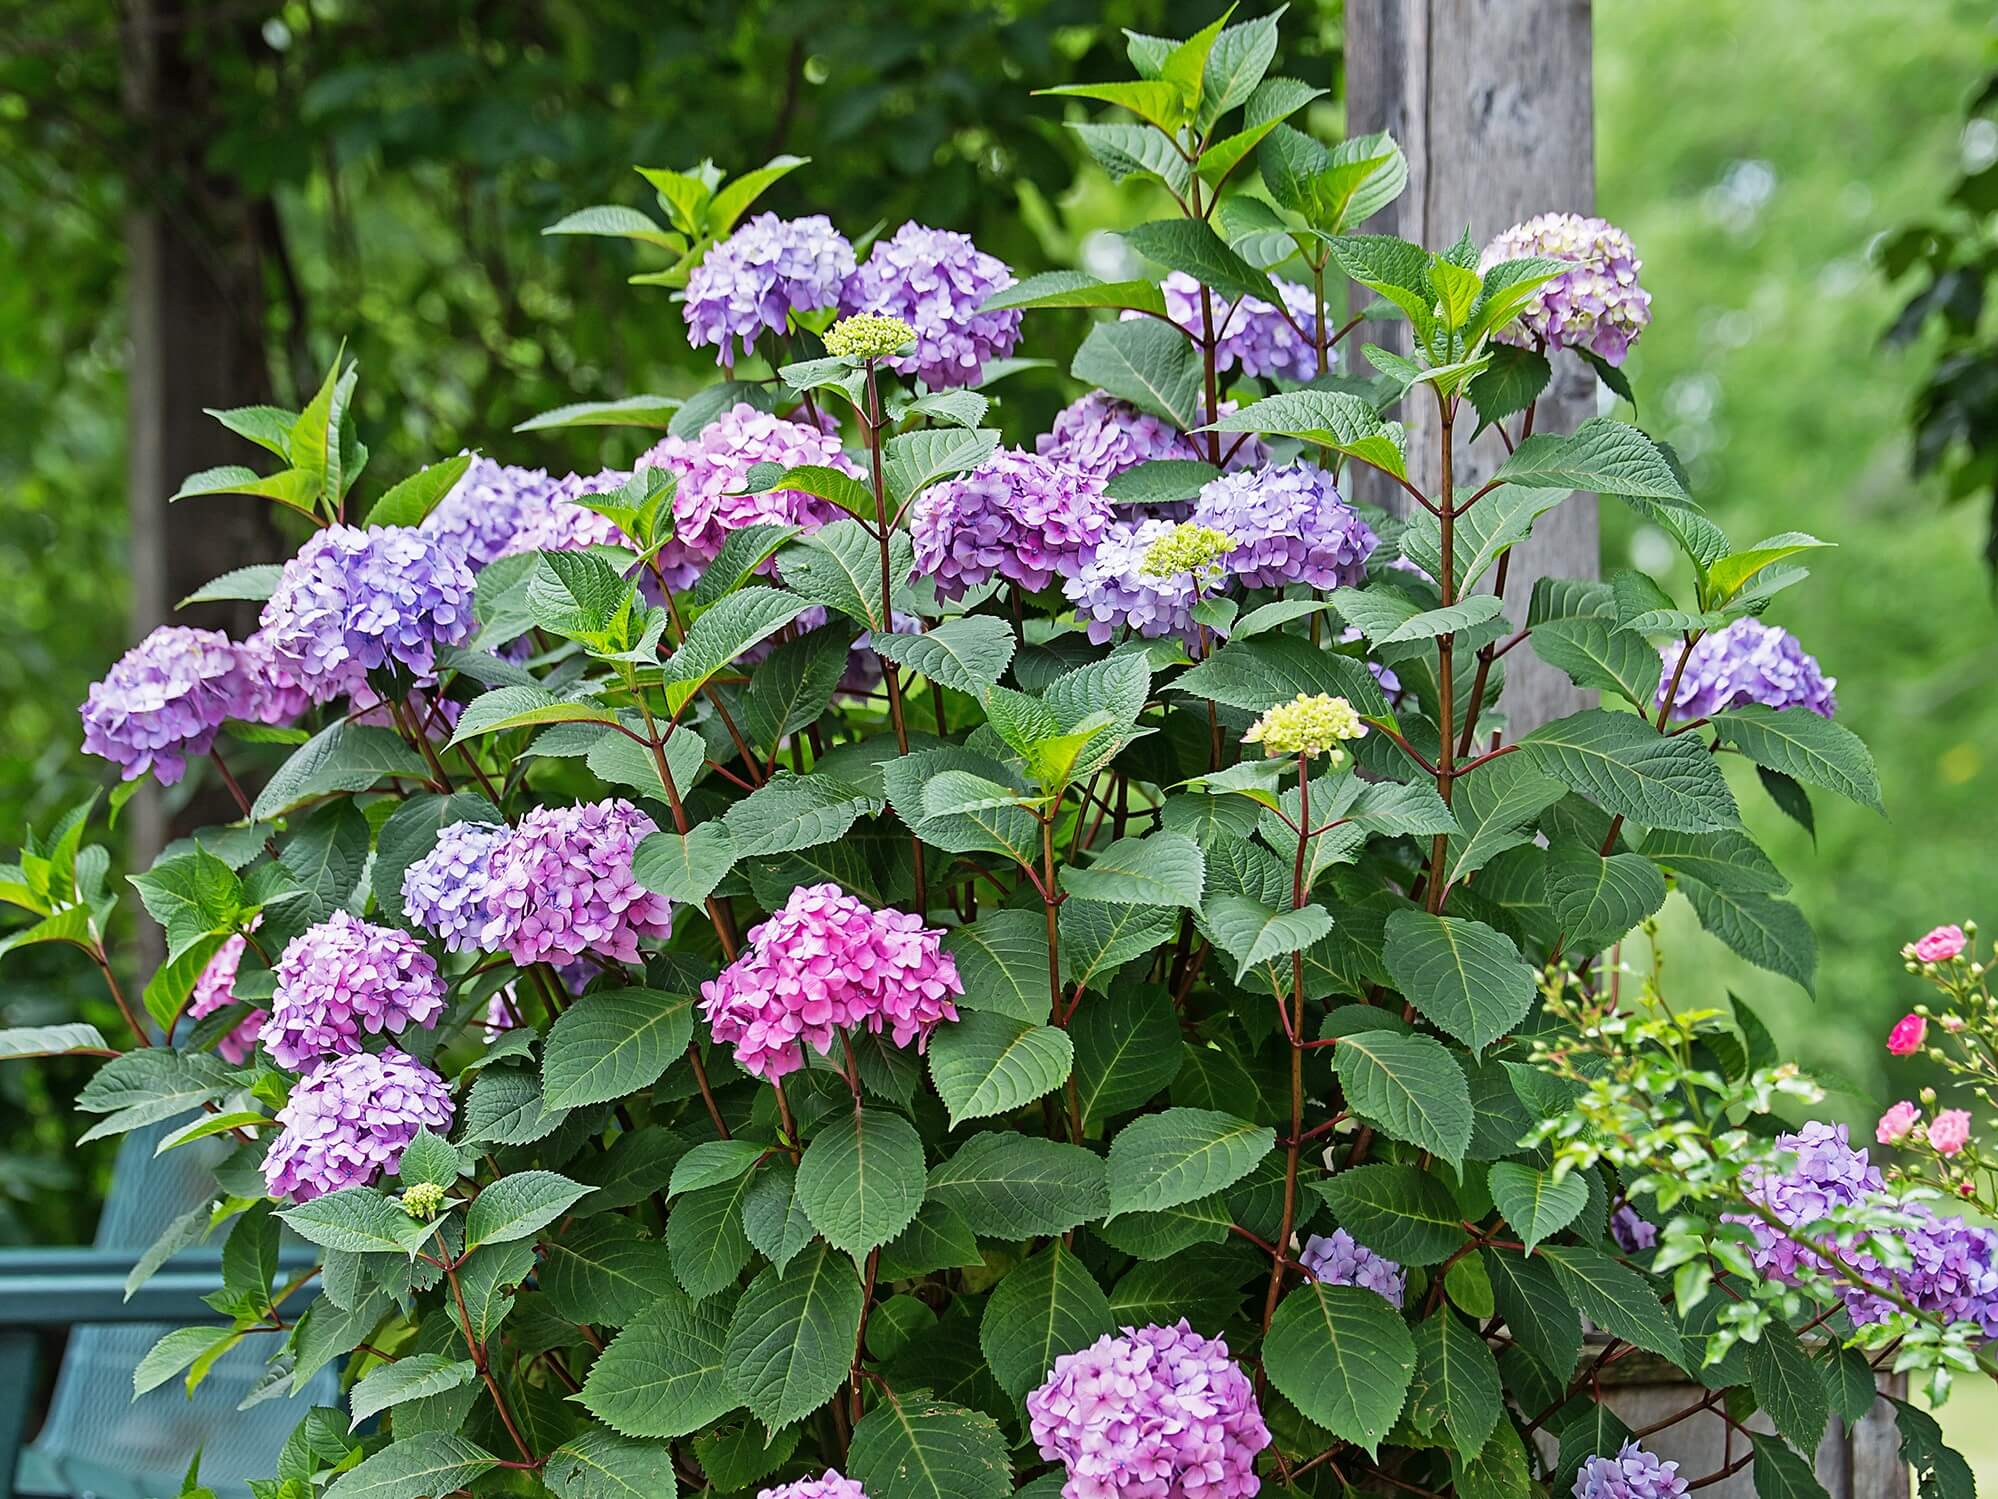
(1727, 860)
(611, 1043)
(1252, 933)
(918, 1448)
(1192, 246)
(410, 1377)
(1405, 1214)
(688, 868)
(1098, 938)
(1788, 1386)
(1127, 1048)
(1534, 1202)
(600, 1464)
(431, 1462)
(1410, 1087)
(792, 1337)
(1343, 1357)
(722, 634)
(861, 1178)
(1781, 1474)
(344, 757)
(1597, 900)
(1149, 363)
(665, 1374)
(989, 1063)
(1770, 933)
(1603, 455)
(1164, 869)
(1008, 1186)
(792, 812)
(969, 654)
(1330, 419)
(1655, 780)
(1537, 1310)
(1456, 1383)
(604, 1271)
(1002, 959)
(1046, 1307)
(1799, 743)
(1593, 653)
(515, 1206)
(1497, 805)
(1465, 978)
(1615, 1297)
(1180, 1155)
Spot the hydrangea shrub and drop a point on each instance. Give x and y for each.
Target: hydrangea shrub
(875, 954)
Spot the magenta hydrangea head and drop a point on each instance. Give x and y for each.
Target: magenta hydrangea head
(1104, 436)
(1289, 525)
(445, 891)
(1151, 1413)
(1748, 662)
(560, 885)
(1632, 1474)
(1598, 305)
(830, 1484)
(164, 701)
(1112, 591)
(761, 274)
(935, 280)
(345, 978)
(1632, 1233)
(1338, 1259)
(1254, 334)
(349, 1121)
(215, 989)
(1017, 515)
(489, 507)
(354, 600)
(827, 963)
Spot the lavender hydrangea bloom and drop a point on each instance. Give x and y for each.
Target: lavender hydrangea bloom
(560, 885)
(830, 1484)
(1112, 591)
(1289, 526)
(344, 977)
(489, 508)
(349, 1122)
(1152, 1413)
(280, 697)
(215, 989)
(1254, 334)
(1017, 515)
(1342, 1260)
(445, 891)
(1748, 662)
(164, 701)
(354, 600)
(1828, 1175)
(1104, 436)
(761, 274)
(826, 963)
(1632, 1474)
(935, 280)
(1633, 1234)
(1597, 306)
(557, 524)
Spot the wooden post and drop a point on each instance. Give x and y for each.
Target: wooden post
(1491, 101)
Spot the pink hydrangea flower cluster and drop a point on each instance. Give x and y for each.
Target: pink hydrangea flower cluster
(1289, 525)
(1151, 1413)
(1017, 515)
(344, 977)
(165, 700)
(761, 274)
(1598, 305)
(1339, 1259)
(1938, 946)
(1632, 1474)
(831, 1484)
(349, 1121)
(826, 963)
(1748, 662)
(560, 885)
(215, 989)
(935, 281)
(1907, 1036)
(1254, 334)
(1104, 436)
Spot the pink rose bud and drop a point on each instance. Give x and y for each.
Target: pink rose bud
(1897, 1123)
(1951, 1023)
(1950, 1131)
(1942, 944)
(1906, 1037)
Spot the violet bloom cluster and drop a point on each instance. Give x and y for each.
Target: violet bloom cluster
(1289, 525)
(215, 989)
(490, 507)
(1598, 305)
(349, 1121)
(935, 280)
(1112, 591)
(756, 278)
(1017, 515)
(560, 525)
(164, 701)
(1632, 1474)
(1151, 1413)
(1104, 436)
(1339, 1259)
(560, 885)
(345, 977)
(831, 1484)
(444, 892)
(1632, 1233)
(281, 695)
(824, 964)
(354, 600)
(1748, 662)
(1254, 334)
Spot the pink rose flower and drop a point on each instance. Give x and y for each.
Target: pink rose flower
(1950, 1131)
(1906, 1037)
(1942, 944)
(1897, 1123)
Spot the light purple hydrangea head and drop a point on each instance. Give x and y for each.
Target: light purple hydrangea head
(489, 508)
(215, 989)
(1748, 662)
(1632, 1474)
(1289, 526)
(445, 891)
(557, 524)
(1598, 305)
(164, 701)
(350, 1120)
(830, 1484)
(354, 600)
(1828, 1175)
(761, 274)
(1632, 1233)
(345, 978)
(1254, 334)
(1104, 436)
(1017, 515)
(281, 697)
(1112, 591)
(1151, 1413)
(826, 963)
(935, 280)
(560, 886)
(1339, 1259)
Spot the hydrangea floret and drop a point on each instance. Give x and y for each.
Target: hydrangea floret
(350, 1119)
(1017, 516)
(1289, 525)
(345, 979)
(165, 701)
(1597, 306)
(936, 282)
(868, 335)
(1747, 662)
(757, 279)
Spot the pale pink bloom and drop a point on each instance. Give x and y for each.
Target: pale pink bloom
(1950, 1131)
(1940, 945)
(1896, 1124)
(1906, 1037)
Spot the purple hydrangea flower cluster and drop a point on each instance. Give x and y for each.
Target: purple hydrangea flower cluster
(1102, 435)
(559, 525)
(1342, 1260)
(761, 274)
(1152, 1413)
(1112, 591)
(356, 599)
(281, 697)
(444, 892)
(825, 963)
(935, 280)
(560, 885)
(1254, 334)
(1597, 306)
(1632, 1474)
(1748, 662)
(1289, 526)
(350, 1120)
(1017, 515)
(831, 1484)
(164, 701)
(215, 989)
(341, 978)
(488, 509)
(1633, 1234)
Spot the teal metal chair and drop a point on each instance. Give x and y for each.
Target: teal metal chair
(97, 1440)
